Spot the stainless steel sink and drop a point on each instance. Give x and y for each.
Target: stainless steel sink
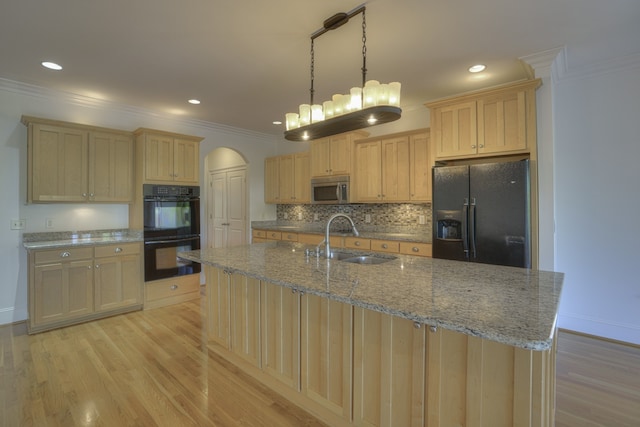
(368, 259)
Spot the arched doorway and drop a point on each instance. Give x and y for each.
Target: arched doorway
(227, 198)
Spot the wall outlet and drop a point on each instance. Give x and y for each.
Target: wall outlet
(367, 218)
(18, 224)
(299, 216)
(286, 215)
(315, 216)
(48, 223)
(421, 220)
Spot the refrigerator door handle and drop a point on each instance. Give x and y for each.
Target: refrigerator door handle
(465, 227)
(472, 226)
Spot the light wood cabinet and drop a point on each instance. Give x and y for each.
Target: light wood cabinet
(332, 155)
(272, 180)
(69, 162)
(393, 169)
(75, 284)
(118, 276)
(168, 157)
(389, 370)
(302, 178)
(489, 122)
(417, 249)
(326, 353)
(219, 306)
(245, 318)
(174, 290)
(280, 334)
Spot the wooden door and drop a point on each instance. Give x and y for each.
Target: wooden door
(286, 179)
(367, 176)
(226, 208)
(326, 353)
(389, 370)
(395, 169)
(420, 168)
(340, 154)
(217, 208)
(320, 157)
(272, 180)
(158, 157)
(280, 329)
(502, 123)
(110, 167)
(218, 306)
(301, 178)
(455, 130)
(245, 317)
(186, 161)
(59, 164)
(236, 207)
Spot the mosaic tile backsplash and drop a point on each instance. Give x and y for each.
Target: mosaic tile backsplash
(381, 216)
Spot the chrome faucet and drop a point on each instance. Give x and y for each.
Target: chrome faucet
(327, 247)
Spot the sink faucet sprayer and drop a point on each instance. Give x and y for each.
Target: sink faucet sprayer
(327, 248)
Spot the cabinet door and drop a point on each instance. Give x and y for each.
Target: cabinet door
(367, 177)
(280, 331)
(219, 305)
(320, 157)
(420, 168)
(118, 282)
(395, 169)
(302, 178)
(389, 370)
(271, 180)
(502, 123)
(340, 154)
(245, 317)
(186, 161)
(455, 129)
(286, 179)
(158, 158)
(110, 167)
(326, 353)
(62, 291)
(58, 164)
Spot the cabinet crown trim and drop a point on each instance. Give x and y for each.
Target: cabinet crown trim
(474, 95)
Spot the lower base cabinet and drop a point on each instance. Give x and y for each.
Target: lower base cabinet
(353, 366)
(163, 292)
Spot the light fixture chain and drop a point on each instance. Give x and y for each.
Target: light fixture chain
(364, 48)
(311, 90)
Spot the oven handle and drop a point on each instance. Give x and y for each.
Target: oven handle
(152, 242)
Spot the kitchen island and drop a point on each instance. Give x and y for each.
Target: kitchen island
(347, 342)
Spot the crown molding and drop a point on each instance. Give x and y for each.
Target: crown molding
(30, 90)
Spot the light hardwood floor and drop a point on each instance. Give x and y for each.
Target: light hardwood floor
(153, 368)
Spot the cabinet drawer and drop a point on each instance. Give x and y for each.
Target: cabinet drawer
(310, 239)
(357, 243)
(63, 254)
(419, 249)
(121, 249)
(161, 289)
(274, 235)
(290, 237)
(259, 233)
(392, 246)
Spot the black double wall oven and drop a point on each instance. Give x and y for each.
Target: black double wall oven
(171, 225)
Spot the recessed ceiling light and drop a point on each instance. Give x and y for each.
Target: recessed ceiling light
(194, 101)
(277, 122)
(51, 65)
(477, 68)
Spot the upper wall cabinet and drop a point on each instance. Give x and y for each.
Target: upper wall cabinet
(168, 157)
(332, 155)
(287, 179)
(75, 163)
(496, 121)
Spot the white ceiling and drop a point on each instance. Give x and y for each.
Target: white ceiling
(248, 60)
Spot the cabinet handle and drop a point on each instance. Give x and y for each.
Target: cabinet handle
(384, 246)
(174, 287)
(415, 249)
(65, 254)
(118, 250)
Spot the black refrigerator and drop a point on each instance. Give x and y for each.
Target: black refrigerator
(481, 213)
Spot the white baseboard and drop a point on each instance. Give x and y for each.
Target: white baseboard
(599, 327)
(11, 315)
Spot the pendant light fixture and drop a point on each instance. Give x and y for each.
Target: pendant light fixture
(371, 104)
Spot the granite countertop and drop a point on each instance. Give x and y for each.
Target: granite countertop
(513, 306)
(407, 234)
(53, 240)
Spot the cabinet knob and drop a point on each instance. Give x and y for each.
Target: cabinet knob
(118, 250)
(385, 246)
(84, 195)
(92, 195)
(415, 249)
(65, 254)
(357, 243)
(473, 146)
(97, 265)
(481, 145)
(433, 328)
(174, 287)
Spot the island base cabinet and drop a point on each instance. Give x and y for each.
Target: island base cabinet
(218, 307)
(245, 317)
(389, 370)
(476, 382)
(326, 341)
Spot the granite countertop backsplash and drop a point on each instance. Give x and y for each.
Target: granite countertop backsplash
(418, 234)
(513, 306)
(52, 240)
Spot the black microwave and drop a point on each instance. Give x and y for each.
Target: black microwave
(332, 190)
